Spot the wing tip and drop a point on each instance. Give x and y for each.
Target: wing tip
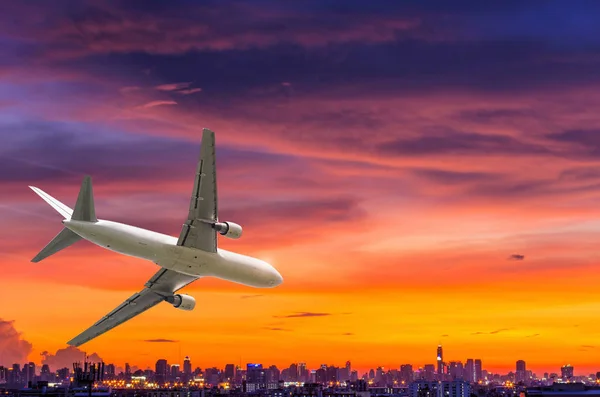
(74, 343)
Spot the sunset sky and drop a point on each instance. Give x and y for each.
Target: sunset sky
(418, 172)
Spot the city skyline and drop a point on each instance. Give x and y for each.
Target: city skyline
(420, 173)
(471, 370)
(184, 362)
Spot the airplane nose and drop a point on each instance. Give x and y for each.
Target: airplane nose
(276, 279)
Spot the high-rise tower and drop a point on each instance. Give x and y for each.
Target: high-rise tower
(521, 372)
(440, 361)
(187, 366)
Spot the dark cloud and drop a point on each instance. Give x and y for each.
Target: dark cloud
(65, 151)
(445, 336)
(64, 358)
(516, 257)
(494, 115)
(59, 151)
(588, 346)
(348, 334)
(250, 296)
(587, 142)
(13, 347)
(448, 142)
(452, 177)
(277, 329)
(304, 314)
(332, 210)
(161, 341)
(532, 336)
(334, 45)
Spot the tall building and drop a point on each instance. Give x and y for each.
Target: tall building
(175, 371)
(230, 372)
(521, 371)
(406, 374)
(293, 372)
(45, 374)
(187, 366)
(273, 374)
(478, 371)
(127, 369)
(452, 370)
(302, 372)
(440, 361)
(429, 372)
(63, 373)
(470, 371)
(566, 372)
(255, 378)
(110, 371)
(161, 371)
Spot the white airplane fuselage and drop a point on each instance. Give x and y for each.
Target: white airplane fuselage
(163, 250)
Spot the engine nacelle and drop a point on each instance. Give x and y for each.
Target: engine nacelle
(228, 229)
(182, 302)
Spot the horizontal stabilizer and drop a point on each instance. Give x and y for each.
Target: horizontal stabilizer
(57, 205)
(62, 240)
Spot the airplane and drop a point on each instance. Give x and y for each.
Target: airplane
(182, 260)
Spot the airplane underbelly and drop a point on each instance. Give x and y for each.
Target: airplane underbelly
(123, 243)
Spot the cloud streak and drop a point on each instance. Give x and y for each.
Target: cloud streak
(494, 332)
(161, 341)
(304, 315)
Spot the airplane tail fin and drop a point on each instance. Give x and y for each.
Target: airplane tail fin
(84, 207)
(84, 211)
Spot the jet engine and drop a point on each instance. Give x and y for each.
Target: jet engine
(228, 229)
(182, 302)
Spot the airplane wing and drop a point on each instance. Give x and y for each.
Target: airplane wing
(164, 283)
(197, 231)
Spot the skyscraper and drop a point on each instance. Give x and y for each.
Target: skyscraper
(175, 371)
(478, 371)
(406, 373)
(302, 372)
(187, 366)
(162, 371)
(470, 370)
(255, 378)
(230, 372)
(293, 372)
(521, 371)
(440, 361)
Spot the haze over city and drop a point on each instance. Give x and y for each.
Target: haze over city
(420, 173)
